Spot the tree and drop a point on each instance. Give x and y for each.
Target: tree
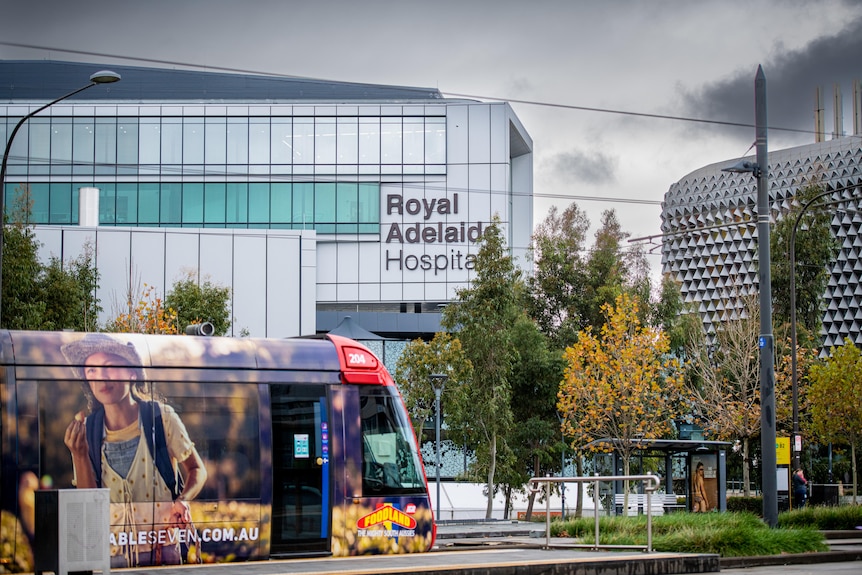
(535, 437)
(419, 360)
(197, 302)
(482, 316)
(621, 386)
(558, 283)
(145, 313)
(52, 296)
(69, 292)
(815, 247)
(668, 314)
(834, 392)
(610, 272)
(726, 381)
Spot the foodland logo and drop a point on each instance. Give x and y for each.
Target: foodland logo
(386, 513)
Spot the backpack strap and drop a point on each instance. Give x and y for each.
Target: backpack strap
(95, 429)
(154, 434)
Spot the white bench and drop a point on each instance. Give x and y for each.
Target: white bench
(660, 503)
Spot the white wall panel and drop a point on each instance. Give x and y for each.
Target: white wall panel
(347, 291)
(457, 140)
(391, 292)
(499, 134)
(369, 262)
(51, 239)
(346, 263)
(74, 241)
(414, 292)
(249, 285)
(480, 134)
(216, 257)
(308, 281)
(499, 185)
(369, 292)
(182, 253)
(113, 260)
(479, 200)
(148, 257)
(283, 287)
(327, 272)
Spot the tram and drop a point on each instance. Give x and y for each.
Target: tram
(214, 449)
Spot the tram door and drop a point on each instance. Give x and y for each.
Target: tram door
(300, 470)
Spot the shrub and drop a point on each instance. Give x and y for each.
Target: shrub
(823, 518)
(745, 505)
(727, 534)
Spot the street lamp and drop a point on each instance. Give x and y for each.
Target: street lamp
(103, 77)
(793, 361)
(766, 341)
(438, 380)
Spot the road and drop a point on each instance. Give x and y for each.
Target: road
(839, 568)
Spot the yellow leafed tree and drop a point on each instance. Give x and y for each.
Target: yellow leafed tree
(146, 315)
(621, 386)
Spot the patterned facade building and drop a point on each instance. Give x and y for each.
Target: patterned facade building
(709, 222)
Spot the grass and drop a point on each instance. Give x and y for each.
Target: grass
(824, 518)
(727, 534)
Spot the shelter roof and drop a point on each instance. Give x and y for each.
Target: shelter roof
(666, 445)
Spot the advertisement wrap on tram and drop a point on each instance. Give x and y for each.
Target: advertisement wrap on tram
(212, 449)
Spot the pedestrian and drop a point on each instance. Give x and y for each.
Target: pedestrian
(800, 488)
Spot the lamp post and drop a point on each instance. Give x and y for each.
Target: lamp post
(766, 340)
(793, 336)
(103, 77)
(438, 380)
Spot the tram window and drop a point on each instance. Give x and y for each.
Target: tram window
(389, 462)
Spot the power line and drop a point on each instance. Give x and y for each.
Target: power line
(455, 94)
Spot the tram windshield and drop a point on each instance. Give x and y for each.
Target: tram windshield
(389, 456)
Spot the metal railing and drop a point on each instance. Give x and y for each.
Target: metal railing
(651, 484)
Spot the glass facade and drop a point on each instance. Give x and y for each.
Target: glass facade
(179, 169)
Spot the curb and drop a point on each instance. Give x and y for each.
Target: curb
(789, 559)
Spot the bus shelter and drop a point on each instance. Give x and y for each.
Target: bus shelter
(693, 472)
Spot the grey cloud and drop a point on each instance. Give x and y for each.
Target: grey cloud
(593, 168)
(791, 79)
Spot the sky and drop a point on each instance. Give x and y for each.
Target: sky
(586, 78)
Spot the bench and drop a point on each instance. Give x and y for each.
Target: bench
(660, 503)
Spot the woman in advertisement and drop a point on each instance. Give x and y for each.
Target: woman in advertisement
(698, 490)
(137, 448)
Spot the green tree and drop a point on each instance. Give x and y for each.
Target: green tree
(668, 314)
(443, 355)
(69, 293)
(197, 302)
(535, 437)
(622, 385)
(52, 296)
(834, 400)
(482, 316)
(815, 248)
(612, 271)
(559, 280)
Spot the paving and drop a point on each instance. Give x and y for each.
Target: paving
(503, 548)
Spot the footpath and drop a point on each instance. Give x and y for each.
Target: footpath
(505, 548)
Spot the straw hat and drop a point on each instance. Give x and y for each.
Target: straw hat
(77, 352)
